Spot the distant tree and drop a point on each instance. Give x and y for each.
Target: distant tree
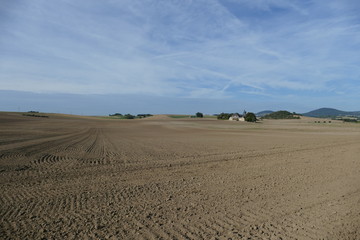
(129, 116)
(144, 115)
(199, 115)
(250, 117)
(224, 116)
(115, 114)
(349, 120)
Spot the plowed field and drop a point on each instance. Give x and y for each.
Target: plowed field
(67, 177)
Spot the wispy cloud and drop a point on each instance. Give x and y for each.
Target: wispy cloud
(205, 48)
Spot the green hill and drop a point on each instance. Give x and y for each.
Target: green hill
(281, 115)
(330, 112)
(263, 113)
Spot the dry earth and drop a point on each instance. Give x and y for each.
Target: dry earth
(69, 177)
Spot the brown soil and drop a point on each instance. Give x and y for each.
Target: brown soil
(65, 177)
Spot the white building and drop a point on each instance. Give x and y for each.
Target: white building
(236, 117)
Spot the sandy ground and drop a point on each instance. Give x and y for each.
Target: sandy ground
(80, 178)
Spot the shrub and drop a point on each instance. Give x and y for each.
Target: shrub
(250, 117)
(129, 116)
(144, 115)
(224, 116)
(199, 115)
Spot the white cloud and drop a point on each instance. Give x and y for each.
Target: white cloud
(179, 48)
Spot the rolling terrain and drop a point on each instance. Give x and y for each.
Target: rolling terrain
(68, 177)
(319, 113)
(330, 112)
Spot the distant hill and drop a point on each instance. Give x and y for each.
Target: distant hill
(281, 115)
(330, 112)
(263, 113)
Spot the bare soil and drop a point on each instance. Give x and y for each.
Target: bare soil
(67, 177)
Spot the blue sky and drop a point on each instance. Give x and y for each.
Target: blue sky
(217, 55)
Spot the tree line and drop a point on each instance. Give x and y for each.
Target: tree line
(129, 116)
(248, 116)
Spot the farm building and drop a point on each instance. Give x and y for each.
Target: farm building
(236, 117)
